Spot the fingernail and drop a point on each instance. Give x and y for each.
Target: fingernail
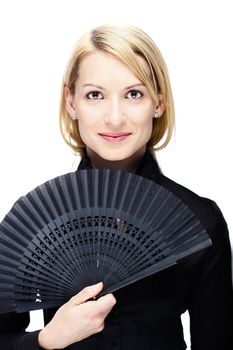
(98, 284)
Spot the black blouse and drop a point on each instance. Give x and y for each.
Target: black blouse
(147, 313)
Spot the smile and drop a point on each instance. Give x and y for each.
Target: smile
(118, 137)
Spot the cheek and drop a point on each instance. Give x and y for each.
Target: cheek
(148, 129)
(145, 122)
(144, 113)
(84, 126)
(88, 127)
(88, 116)
(145, 126)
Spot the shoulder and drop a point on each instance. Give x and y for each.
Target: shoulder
(206, 209)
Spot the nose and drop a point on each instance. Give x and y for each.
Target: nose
(114, 114)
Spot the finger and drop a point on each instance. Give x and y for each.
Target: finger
(107, 300)
(87, 293)
(105, 304)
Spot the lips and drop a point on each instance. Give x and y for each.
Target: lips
(115, 136)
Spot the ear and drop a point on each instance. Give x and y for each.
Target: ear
(160, 106)
(69, 97)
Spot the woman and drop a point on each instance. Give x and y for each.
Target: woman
(116, 106)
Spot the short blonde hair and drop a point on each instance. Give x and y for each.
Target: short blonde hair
(125, 43)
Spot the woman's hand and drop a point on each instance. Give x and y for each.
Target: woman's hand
(77, 319)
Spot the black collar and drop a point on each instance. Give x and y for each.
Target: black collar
(148, 168)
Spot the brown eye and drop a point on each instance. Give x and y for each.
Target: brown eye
(93, 95)
(135, 94)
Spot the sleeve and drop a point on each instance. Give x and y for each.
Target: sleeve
(13, 335)
(211, 293)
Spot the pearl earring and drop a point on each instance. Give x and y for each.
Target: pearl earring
(74, 116)
(156, 115)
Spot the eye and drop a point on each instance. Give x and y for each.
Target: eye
(94, 95)
(135, 94)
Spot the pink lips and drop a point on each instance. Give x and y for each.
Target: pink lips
(115, 137)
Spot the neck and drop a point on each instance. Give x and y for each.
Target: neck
(129, 164)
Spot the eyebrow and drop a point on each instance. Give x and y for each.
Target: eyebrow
(102, 88)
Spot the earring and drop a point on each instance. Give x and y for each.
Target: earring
(74, 116)
(156, 115)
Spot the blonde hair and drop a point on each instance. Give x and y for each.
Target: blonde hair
(125, 43)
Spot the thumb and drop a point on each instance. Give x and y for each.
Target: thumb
(87, 293)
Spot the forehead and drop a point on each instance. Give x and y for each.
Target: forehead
(100, 64)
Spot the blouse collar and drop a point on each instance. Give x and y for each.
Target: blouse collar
(148, 167)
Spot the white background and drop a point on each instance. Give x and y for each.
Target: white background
(195, 38)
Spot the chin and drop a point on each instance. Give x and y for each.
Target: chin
(113, 157)
(117, 155)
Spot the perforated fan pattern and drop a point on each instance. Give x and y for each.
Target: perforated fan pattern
(89, 226)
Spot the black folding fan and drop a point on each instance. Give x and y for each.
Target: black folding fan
(90, 226)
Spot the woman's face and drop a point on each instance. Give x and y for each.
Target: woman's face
(114, 109)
